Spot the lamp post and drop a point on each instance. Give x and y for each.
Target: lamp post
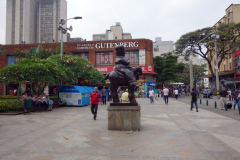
(64, 30)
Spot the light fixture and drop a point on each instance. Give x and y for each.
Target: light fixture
(77, 18)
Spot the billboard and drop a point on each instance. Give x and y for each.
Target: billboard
(142, 57)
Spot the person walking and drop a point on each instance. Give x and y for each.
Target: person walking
(104, 95)
(166, 92)
(143, 93)
(160, 93)
(229, 94)
(236, 99)
(223, 95)
(176, 93)
(95, 97)
(194, 99)
(108, 93)
(156, 94)
(151, 95)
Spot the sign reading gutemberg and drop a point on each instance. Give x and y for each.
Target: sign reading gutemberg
(106, 45)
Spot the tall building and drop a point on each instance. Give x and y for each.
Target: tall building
(160, 47)
(34, 21)
(21, 21)
(115, 32)
(49, 14)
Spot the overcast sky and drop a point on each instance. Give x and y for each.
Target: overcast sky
(148, 19)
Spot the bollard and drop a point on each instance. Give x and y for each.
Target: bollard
(215, 104)
(207, 102)
(200, 101)
(225, 107)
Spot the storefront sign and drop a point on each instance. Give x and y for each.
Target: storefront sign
(148, 68)
(142, 57)
(107, 45)
(104, 69)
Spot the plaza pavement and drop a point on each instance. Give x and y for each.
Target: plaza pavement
(168, 132)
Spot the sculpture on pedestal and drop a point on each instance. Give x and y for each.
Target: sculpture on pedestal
(123, 75)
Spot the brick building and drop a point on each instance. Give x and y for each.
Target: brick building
(100, 53)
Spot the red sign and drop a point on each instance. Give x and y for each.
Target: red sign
(148, 68)
(104, 69)
(109, 69)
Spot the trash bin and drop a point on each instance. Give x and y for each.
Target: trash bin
(27, 104)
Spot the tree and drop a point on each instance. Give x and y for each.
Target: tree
(39, 72)
(38, 52)
(167, 68)
(2, 51)
(229, 39)
(82, 69)
(198, 72)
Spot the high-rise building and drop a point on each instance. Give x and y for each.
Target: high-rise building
(115, 32)
(49, 14)
(21, 21)
(34, 21)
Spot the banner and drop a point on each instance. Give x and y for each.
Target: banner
(142, 57)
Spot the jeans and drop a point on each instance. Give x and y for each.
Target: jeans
(236, 102)
(166, 99)
(229, 97)
(176, 96)
(104, 99)
(151, 99)
(109, 97)
(94, 108)
(195, 105)
(160, 95)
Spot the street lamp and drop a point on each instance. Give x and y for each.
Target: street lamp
(64, 30)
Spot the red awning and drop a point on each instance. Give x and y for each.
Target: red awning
(150, 73)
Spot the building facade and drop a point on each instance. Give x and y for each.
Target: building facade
(160, 47)
(115, 32)
(49, 14)
(34, 21)
(101, 54)
(227, 67)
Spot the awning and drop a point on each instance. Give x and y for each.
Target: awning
(220, 74)
(150, 73)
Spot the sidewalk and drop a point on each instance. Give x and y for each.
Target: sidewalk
(168, 132)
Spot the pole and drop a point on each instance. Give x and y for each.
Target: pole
(216, 66)
(61, 43)
(191, 73)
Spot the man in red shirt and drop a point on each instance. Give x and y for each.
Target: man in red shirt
(94, 98)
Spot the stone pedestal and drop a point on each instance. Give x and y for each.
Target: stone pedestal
(124, 117)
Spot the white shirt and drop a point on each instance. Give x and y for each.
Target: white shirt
(176, 91)
(165, 91)
(229, 93)
(151, 93)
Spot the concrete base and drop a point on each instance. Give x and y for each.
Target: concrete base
(124, 118)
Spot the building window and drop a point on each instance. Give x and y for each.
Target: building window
(230, 55)
(224, 67)
(12, 60)
(132, 56)
(230, 66)
(104, 58)
(82, 55)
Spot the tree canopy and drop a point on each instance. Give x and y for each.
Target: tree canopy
(226, 45)
(167, 68)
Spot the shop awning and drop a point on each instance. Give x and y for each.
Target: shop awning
(220, 74)
(150, 73)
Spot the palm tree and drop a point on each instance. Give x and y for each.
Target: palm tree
(2, 51)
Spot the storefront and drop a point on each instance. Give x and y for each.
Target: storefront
(100, 53)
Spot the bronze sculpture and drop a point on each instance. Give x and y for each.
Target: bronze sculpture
(123, 75)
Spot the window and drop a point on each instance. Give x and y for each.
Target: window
(230, 56)
(224, 67)
(12, 60)
(104, 58)
(82, 55)
(230, 66)
(132, 56)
